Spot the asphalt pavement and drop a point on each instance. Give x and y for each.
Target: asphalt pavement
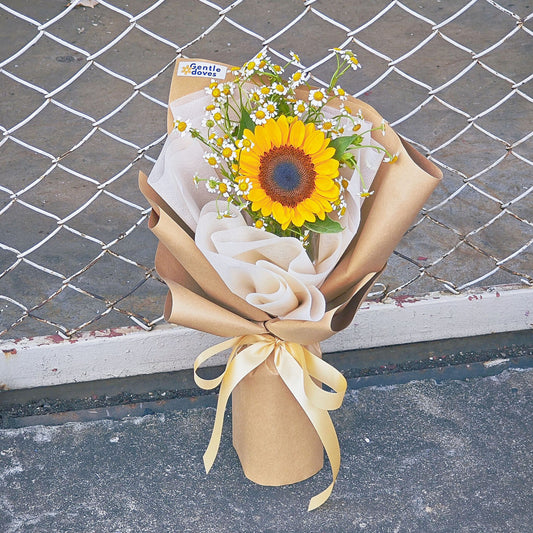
(446, 448)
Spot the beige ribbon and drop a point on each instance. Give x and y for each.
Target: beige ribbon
(297, 367)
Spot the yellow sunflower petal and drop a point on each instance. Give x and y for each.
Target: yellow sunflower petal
(297, 133)
(285, 225)
(297, 218)
(249, 166)
(262, 140)
(319, 157)
(265, 206)
(283, 125)
(328, 168)
(331, 194)
(310, 205)
(313, 141)
(280, 213)
(257, 194)
(273, 131)
(307, 214)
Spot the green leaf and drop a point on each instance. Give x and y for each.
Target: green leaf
(324, 226)
(246, 123)
(341, 144)
(284, 108)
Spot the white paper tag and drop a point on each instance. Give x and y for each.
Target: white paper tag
(199, 69)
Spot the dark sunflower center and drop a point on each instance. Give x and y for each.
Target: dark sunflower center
(287, 175)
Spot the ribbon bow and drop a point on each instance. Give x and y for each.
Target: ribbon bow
(297, 367)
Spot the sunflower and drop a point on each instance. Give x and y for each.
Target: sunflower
(291, 171)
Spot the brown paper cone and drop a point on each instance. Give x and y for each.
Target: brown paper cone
(274, 439)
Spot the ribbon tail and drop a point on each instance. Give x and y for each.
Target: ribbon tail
(238, 367)
(292, 374)
(328, 436)
(214, 442)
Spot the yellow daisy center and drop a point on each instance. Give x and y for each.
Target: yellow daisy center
(227, 152)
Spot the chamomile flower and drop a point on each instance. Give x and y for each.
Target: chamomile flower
(365, 193)
(346, 110)
(260, 94)
(326, 126)
(216, 114)
(228, 88)
(212, 159)
(211, 184)
(265, 91)
(298, 78)
(300, 107)
(224, 188)
(270, 108)
(214, 90)
(317, 97)
(279, 88)
(340, 92)
(259, 116)
(353, 61)
(182, 126)
(250, 67)
(208, 122)
(228, 151)
(295, 57)
(340, 206)
(243, 187)
(245, 144)
(391, 158)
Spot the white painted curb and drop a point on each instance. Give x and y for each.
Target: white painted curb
(44, 361)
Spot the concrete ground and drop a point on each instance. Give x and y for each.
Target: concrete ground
(430, 450)
(419, 457)
(103, 116)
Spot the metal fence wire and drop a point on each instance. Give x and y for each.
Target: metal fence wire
(84, 95)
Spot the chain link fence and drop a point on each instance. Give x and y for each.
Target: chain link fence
(84, 94)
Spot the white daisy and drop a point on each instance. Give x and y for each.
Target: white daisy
(317, 97)
(212, 159)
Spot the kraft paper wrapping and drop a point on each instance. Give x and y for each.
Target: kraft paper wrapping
(267, 419)
(270, 425)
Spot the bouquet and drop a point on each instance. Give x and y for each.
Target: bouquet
(276, 205)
